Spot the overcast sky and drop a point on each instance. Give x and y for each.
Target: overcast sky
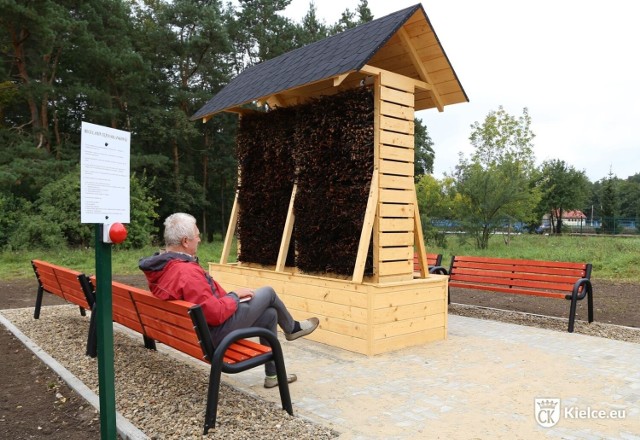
(574, 64)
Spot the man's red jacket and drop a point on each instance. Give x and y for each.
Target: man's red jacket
(172, 275)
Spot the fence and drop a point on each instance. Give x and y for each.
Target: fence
(604, 225)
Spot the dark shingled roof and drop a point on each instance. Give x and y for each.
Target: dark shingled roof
(341, 53)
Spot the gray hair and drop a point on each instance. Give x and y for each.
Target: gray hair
(178, 226)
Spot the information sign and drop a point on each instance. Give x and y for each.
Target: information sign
(104, 174)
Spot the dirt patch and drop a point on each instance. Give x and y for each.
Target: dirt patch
(35, 402)
(613, 303)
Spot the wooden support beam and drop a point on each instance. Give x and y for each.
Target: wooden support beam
(418, 237)
(367, 230)
(286, 234)
(395, 77)
(275, 101)
(338, 79)
(231, 230)
(240, 110)
(417, 63)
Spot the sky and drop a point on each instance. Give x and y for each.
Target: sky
(572, 63)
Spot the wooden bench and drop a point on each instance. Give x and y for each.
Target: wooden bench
(62, 282)
(570, 281)
(182, 326)
(434, 263)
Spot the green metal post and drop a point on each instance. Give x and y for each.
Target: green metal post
(104, 321)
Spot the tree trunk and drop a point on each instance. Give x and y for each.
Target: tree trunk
(20, 60)
(176, 167)
(223, 220)
(559, 222)
(205, 176)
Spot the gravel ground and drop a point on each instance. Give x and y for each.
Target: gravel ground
(173, 408)
(178, 394)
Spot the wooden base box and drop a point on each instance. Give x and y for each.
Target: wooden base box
(364, 318)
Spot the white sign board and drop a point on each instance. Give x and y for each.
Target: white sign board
(104, 174)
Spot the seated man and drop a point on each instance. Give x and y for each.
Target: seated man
(174, 273)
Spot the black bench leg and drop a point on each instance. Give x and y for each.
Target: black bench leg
(283, 385)
(92, 339)
(82, 311)
(36, 312)
(590, 302)
(149, 343)
(212, 398)
(572, 311)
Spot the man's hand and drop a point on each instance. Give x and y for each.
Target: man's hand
(243, 292)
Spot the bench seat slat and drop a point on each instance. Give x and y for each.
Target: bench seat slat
(247, 351)
(507, 290)
(254, 346)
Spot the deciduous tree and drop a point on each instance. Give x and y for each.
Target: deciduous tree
(494, 183)
(562, 188)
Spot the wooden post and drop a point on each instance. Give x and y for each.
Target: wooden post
(419, 239)
(367, 229)
(286, 234)
(231, 230)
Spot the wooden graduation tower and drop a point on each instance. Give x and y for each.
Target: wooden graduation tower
(401, 58)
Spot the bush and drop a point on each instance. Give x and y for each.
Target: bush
(54, 220)
(11, 208)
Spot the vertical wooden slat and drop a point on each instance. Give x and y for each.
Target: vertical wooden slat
(377, 127)
(231, 230)
(286, 234)
(419, 238)
(367, 229)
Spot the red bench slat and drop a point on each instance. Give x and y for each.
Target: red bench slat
(432, 260)
(508, 290)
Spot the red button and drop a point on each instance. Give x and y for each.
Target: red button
(117, 233)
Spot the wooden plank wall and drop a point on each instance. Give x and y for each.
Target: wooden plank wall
(360, 317)
(394, 228)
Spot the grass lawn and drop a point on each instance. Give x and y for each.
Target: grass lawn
(613, 258)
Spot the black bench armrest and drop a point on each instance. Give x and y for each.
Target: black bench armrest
(587, 289)
(438, 270)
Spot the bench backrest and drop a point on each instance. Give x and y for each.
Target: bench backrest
(432, 260)
(60, 281)
(533, 277)
(170, 322)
